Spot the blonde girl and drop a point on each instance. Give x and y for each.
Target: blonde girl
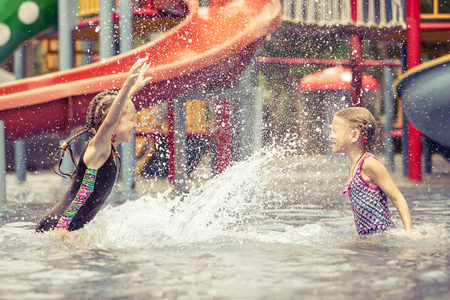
(110, 118)
(369, 183)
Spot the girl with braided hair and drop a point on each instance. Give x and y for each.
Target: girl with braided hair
(110, 118)
(369, 183)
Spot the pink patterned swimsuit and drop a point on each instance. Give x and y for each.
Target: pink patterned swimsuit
(83, 200)
(369, 204)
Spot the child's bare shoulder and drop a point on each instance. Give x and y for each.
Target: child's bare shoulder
(372, 164)
(95, 155)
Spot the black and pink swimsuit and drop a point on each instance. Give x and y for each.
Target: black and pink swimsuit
(369, 204)
(86, 195)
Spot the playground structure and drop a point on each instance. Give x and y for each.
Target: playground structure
(399, 21)
(201, 57)
(434, 32)
(152, 135)
(207, 51)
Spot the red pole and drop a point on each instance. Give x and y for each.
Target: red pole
(354, 10)
(171, 143)
(356, 66)
(356, 60)
(223, 135)
(413, 53)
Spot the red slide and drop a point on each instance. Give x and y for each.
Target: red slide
(210, 48)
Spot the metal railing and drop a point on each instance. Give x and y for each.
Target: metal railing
(378, 13)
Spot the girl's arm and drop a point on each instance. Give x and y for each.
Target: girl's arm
(138, 70)
(101, 142)
(378, 174)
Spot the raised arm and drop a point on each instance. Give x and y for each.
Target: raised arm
(130, 86)
(378, 174)
(100, 146)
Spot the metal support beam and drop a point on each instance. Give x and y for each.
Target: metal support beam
(243, 114)
(85, 57)
(106, 45)
(258, 121)
(427, 151)
(126, 44)
(405, 157)
(126, 22)
(2, 163)
(405, 146)
(223, 135)
(389, 108)
(20, 159)
(242, 129)
(179, 108)
(20, 147)
(67, 19)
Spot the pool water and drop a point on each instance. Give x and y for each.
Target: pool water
(273, 227)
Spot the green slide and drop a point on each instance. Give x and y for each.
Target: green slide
(23, 19)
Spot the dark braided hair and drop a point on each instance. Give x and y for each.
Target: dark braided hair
(361, 119)
(97, 110)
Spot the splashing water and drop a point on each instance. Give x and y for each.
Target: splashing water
(227, 207)
(263, 199)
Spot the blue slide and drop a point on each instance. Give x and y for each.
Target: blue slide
(425, 92)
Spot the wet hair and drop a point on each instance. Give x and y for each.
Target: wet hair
(96, 113)
(361, 119)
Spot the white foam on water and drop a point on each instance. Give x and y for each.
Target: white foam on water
(226, 208)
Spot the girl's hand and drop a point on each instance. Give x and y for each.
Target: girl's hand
(416, 235)
(136, 77)
(141, 81)
(58, 232)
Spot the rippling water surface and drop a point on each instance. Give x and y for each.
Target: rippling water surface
(272, 227)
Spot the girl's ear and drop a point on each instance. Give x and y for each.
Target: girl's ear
(355, 135)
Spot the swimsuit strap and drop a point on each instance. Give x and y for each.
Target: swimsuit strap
(362, 160)
(358, 171)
